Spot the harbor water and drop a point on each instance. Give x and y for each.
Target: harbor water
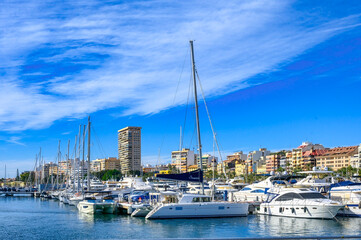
(34, 218)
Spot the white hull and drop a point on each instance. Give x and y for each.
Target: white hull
(93, 208)
(199, 210)
(74, 202)
(350, 210)
(249, 197)
(141, 212)
(298, 211)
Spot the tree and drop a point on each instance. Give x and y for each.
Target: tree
(309, 167)
(106, 175)
(25, 177)
(172, 169)
(297, 169)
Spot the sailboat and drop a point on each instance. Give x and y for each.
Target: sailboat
(197, 205)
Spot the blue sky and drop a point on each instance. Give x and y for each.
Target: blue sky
(274, 73)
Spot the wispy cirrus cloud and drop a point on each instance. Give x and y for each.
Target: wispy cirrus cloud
(69, 59)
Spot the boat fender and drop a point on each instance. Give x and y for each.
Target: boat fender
(130, 210)
(359, 205)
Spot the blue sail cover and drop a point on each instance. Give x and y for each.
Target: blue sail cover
(194, 176)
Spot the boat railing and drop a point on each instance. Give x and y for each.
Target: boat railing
(347, 200)
(159, 205)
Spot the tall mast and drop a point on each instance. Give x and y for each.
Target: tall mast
(82, 162)
(197, 115)
(5, 176)
(88, 168)
(41, 168)
(67, 167)
(180, 139)
(57, 172)
(78, 162)
(74, 163)
(36, 176)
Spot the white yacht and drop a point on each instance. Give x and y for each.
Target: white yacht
(222, 186)
(257, 192)
(196, 188)
(91, 205)
(96, 185)
(74, 199)
(238, 183)
(299, 203)
(315, 181)
(142, 211)
(198, 206)
(349, 194)
(154, 199)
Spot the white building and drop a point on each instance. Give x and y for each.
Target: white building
(256, 159)
(356, 159)
(182, 159)
(207, 160)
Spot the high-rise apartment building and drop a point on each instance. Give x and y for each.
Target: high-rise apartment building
(129, 149)
(182, 159)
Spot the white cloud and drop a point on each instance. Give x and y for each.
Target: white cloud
(130, 55)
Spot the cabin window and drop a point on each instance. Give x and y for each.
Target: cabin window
(206, 199)
(85, 206)
(196, 199)
(257, 191)
(281, 210)
(312, 195)
(221, 207)
(288, 197)
(178, 208)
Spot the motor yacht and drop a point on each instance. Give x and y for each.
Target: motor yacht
(316, 181)
(96, 185)
(91, 205)
(299, 203)
(142, 211)
(197, 206)
(197, 189)
(348, 193)
(74, 199)
(256, 192)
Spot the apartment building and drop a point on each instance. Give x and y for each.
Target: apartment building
(337, 158)
(129, 149)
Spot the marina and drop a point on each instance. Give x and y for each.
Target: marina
(57, 220)
(180, 120)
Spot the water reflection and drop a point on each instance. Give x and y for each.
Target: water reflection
(93, 218)
(283, 226)
(29, 218)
